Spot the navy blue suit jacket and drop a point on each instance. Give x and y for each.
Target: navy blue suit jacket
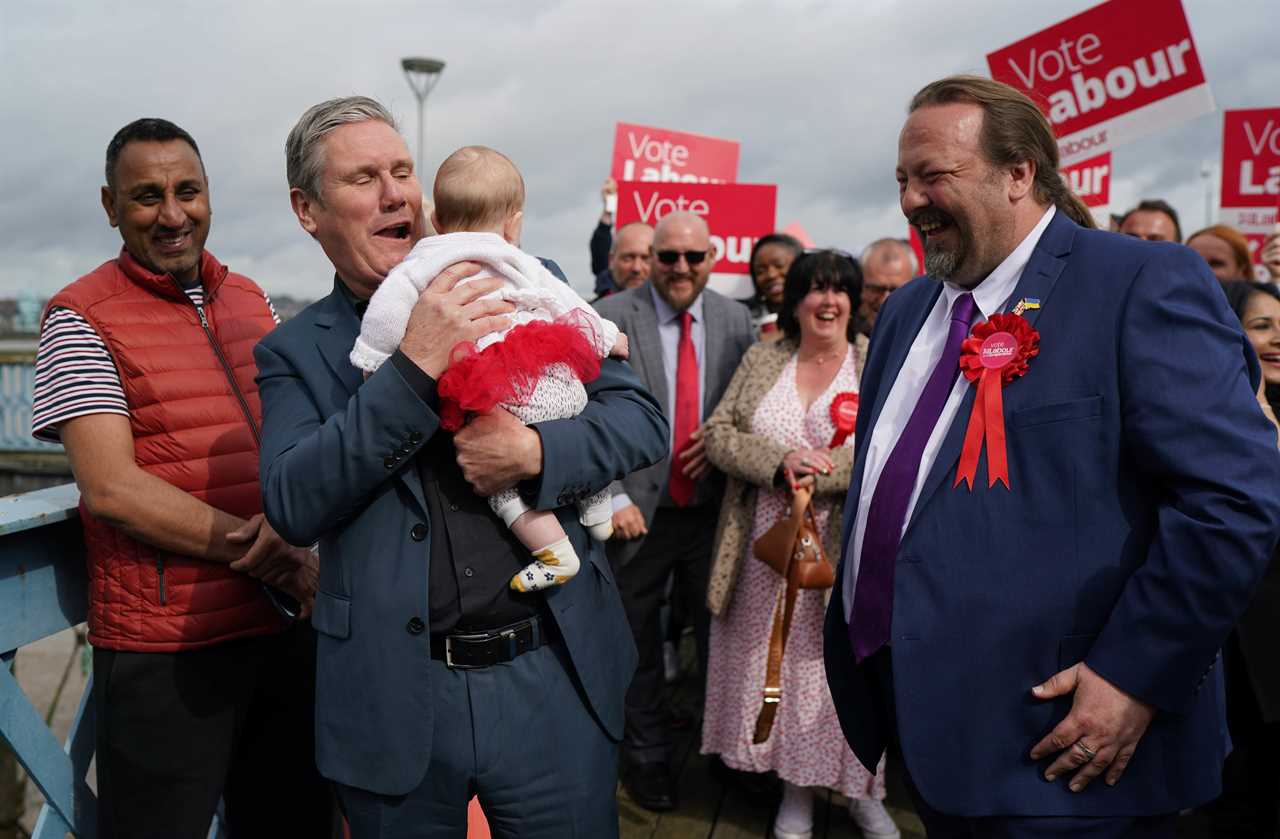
(1144, 506)
(337, 467)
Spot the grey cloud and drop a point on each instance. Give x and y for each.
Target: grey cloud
(815, 91)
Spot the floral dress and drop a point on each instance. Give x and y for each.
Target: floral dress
(805, 746)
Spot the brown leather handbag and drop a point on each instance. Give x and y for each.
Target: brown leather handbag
(793, 548)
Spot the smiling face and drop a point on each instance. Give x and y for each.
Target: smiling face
(1261, 320)
(629, 261)
(952, 195)
(367, 215)
(823, 314)
(769, 271)
(160, 203)
(680, 283)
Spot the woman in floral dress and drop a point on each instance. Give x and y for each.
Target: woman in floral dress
(787, 410)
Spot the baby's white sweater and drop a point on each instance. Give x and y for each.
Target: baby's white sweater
(529, 286)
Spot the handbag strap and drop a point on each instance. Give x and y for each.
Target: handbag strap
(773, 668)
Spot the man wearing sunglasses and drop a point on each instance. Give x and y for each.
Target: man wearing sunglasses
(686, 342)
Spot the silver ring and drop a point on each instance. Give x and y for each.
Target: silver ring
(1088, 752)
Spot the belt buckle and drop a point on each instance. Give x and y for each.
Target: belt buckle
(448, 650)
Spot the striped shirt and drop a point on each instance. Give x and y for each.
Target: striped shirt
(75, 374)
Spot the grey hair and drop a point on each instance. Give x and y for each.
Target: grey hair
(880, 244)
(304, 151)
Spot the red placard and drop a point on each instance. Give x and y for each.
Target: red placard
(1110, 74)
(643, 153)
(1251, 173)
(1251, 157)
(1091, 180)
(737, 214)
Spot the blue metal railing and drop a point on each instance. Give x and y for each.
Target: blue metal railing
(42, 592)
(17, 377)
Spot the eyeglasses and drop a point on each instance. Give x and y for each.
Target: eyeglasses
(691, 257)
(876, 288)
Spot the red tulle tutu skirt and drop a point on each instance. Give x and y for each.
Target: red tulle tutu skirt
(506, 372)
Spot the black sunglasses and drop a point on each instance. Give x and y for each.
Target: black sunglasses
(691, 257)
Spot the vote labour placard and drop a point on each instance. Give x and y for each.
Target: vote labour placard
(1090, 179)
(1109, 75)
(641, 153)
(1251, 172)
(737, 214)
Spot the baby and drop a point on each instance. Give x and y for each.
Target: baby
(535, 368)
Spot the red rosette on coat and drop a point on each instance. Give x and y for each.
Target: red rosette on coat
(995, 353)
(507, 371)
(844, 416)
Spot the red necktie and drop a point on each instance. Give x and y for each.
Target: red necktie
(680, 486)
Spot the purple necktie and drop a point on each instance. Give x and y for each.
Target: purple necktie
(873, 594)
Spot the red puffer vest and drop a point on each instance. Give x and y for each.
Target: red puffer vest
(193, 428)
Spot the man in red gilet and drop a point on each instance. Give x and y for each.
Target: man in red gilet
(202, 688)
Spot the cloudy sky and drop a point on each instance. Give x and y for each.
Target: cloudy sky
(815, 91)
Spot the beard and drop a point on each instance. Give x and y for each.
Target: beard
(940, 263)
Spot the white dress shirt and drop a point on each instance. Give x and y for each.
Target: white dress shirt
(990, 296)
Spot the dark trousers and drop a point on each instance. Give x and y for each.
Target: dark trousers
(944, 826)
(1248, 807)
(518, 736)
(178, 731)
(678, 545)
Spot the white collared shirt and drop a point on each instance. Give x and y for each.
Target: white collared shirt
(990, 296)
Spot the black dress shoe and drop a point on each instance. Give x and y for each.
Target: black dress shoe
(649, 785)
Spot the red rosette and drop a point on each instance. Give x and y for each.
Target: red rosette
(995, 353)
(844, 416)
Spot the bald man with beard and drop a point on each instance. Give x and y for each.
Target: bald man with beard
(686, 342)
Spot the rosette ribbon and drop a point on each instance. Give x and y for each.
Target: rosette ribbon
(844, 416)
(995, 353)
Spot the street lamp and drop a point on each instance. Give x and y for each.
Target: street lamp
(422, 73)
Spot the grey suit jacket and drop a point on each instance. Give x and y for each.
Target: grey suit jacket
(728, 335)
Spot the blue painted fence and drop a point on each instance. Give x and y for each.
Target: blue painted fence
(42, 592)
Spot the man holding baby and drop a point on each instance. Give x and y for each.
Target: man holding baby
(437, 679)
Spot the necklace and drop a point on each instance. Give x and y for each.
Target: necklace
(821, 359)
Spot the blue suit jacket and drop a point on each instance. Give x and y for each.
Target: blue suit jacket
(328, 475)
(1144, 506)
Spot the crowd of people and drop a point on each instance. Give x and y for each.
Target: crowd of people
(426, 540)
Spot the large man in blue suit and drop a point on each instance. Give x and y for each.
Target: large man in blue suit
(435, 681)
(1142, 506)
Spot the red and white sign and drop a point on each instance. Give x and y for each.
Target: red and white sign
(737, 214)
(1251, 173)
(642, 153)
(1090, 180)
(1109, 75)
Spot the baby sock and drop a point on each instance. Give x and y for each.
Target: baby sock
(553, 565)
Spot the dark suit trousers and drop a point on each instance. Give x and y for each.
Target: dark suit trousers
(519, 737)
(679, 543)
(944, 826)
(176, 731)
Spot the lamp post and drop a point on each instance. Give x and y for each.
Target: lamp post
(422, 73)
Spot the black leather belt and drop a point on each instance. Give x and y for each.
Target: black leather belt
(471, 650)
